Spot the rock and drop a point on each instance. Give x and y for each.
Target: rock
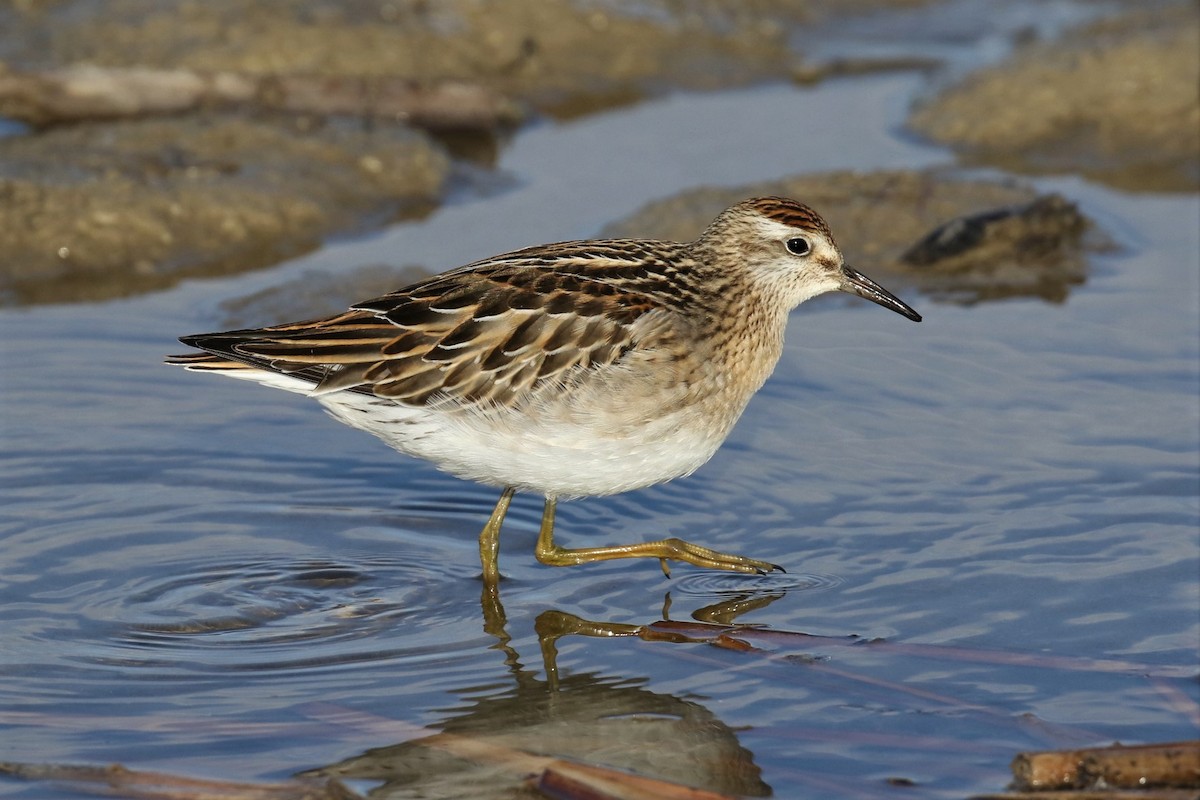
(957, 239)
(105, 210)
(565, 57)
(1115, 101)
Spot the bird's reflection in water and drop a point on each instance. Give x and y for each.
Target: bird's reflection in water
(583, 717)
(552, 625)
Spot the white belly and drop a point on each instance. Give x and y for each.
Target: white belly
(630, 427)
(566, 455)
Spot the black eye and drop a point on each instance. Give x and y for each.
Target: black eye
(799, 246)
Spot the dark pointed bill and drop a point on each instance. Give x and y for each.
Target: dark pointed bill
(861, 285)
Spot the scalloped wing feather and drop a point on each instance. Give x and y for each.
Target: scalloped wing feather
(489, 332)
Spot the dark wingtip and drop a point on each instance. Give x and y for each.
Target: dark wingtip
(183, 359)
(223, 343)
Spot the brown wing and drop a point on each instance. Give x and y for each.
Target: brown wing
(484, 333)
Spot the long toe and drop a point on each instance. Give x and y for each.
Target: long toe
(704, 557)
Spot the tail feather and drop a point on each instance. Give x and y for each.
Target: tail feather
(207, 362)
(303, 382)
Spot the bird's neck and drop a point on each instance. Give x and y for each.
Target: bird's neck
(752, 336)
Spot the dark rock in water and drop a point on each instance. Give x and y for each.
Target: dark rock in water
(1042, 239)
(960, 239)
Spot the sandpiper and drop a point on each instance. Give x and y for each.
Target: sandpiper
(573, 369)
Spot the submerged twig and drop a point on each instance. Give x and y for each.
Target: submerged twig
(552, 777)
(725, 635)
(118, 781)
(1169, 771)
(1174, 765)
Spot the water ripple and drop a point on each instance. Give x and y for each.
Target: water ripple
(716, 583)
(279, 615)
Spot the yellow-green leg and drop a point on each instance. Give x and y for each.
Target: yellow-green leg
(664, 550)
(489, 538)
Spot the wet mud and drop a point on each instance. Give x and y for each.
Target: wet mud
(104, 208)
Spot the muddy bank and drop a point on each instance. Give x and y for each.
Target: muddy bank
(562, 56)
(1115, 101)
(104, 209)
(957, 239)
(98, 211)
(89, 93)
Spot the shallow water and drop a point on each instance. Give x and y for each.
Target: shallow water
(212, 578)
